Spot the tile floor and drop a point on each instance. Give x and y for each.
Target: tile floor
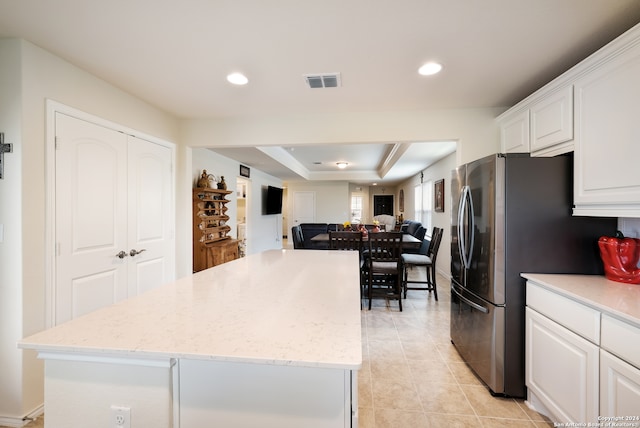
(412, 376)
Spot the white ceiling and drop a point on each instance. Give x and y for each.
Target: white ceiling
(175, 55)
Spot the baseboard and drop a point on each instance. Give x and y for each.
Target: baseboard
(20, 422)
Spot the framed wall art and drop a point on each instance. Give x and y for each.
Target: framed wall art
(245, 171)
(438, 194)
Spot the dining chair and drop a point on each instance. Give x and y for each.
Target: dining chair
(349, 241)
(427, 258)
(383, 265)
(296, 235)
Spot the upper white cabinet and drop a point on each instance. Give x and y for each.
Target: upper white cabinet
(514, 131)
(607, 128)
(541, 125)
(592, 109)
(552, 122)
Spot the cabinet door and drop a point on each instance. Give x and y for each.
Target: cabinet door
(607, 136)
(619, 387)
(561, 369)
(552, 122)
(514, 132)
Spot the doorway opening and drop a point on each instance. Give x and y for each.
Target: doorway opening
(382, 204)
(242, 199)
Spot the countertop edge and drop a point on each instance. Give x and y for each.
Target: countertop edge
(592, 286)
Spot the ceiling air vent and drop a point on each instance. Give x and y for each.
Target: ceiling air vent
(328, 80)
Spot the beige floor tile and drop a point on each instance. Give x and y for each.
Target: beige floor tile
(463, 374)
(386, 350)
(502, 423)
(533, 415)
(435, 420)
(426, 372)
(392, 418)
(365, 398)
(366, 418)
(485, 404)
(394, 395)
(420, 350)
(393, 370)
(444, 398)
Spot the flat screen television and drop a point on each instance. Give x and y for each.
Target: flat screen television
(273, 200)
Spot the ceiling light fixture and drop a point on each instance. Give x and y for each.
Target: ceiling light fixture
(430, 68)
(342, 165)
(237, 79)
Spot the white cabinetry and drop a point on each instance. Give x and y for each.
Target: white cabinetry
(591, 109)
(552, 122)
(514, 131)
(561, 366)
(619, 387)
(582, 349)
(607, 102)
(619, 379)
(541, 124)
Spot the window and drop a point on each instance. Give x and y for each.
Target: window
(424, 204)
(356, 209)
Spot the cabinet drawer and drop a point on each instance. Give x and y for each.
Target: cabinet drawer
(569, 313)
(621, 339)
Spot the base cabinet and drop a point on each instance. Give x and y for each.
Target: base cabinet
(561, 369)
(582, 363)
(244, 395)
(619, 388)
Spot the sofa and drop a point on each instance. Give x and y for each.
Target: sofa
(410, 226)
(309, 230)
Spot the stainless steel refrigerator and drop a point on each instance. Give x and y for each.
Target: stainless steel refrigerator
(511, 214)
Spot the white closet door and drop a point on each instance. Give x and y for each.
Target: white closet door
(114, 198)
(91, 217)
(150, 216)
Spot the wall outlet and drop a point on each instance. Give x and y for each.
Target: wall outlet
(120, 417)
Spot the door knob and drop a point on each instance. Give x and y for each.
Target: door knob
(121, 255)
(133, 252)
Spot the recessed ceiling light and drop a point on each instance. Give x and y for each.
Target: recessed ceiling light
(430, 68)
(237, 79)
(342, 165)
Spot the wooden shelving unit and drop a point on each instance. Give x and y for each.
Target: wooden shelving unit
(211, 245)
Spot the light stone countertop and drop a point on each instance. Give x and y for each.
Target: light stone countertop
(618, 299)
(280, 307)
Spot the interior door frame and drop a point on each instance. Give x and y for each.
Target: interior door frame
(53, 107)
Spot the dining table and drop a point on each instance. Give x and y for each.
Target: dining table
(408, 241)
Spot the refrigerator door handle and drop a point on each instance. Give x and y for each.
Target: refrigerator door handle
(469, 302)
(466, 234)
(461, 234)
(472, 227)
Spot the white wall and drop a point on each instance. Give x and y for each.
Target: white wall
(264, 232)
(437, 171)
(332, 200)
(31, 76)
(11, 301)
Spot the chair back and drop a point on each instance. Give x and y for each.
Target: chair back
(345, 240)
(436, 238)
(296, 235)
(385, 246)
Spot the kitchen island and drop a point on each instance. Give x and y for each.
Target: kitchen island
(269, 340)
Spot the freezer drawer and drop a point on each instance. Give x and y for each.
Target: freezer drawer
(477, 331)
